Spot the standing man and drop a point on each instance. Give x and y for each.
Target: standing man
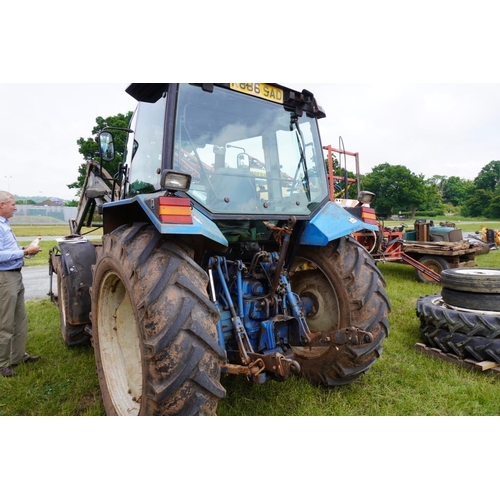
(13, 316)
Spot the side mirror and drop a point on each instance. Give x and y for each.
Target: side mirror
(106, 146)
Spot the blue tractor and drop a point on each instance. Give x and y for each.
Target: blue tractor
(221, 253)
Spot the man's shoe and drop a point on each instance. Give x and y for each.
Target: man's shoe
(29, 359)
(7, 371)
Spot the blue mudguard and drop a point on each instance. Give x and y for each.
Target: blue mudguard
(330, 223)
(201, 225)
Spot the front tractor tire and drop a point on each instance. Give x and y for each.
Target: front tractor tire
(153, 327)
(346, 289)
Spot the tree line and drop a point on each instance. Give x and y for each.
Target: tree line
(398, 189)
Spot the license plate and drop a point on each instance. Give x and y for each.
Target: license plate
(262, 90)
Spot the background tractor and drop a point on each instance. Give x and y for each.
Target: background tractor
(221, 253)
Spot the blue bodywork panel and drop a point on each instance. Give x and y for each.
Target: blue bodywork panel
(330, 223)
(201, 225)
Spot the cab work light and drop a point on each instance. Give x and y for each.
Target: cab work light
(172, 210)
(175, 181)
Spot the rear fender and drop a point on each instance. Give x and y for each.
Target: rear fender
(330, 223)
(77, 259)
(143, 208)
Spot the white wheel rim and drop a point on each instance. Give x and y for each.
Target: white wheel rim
(438, 301)
(477, 272)
(119, 345)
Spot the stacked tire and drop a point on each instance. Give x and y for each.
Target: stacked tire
(464, 319)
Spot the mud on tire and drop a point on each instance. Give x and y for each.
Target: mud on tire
(154, 328)
(347, 289)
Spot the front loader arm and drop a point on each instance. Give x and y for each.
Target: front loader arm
(97, 190)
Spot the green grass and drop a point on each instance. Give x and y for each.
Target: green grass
(55, 230)
(41, 258)
(401, 382)
(34, 231)
(47, 243)
(62, 382)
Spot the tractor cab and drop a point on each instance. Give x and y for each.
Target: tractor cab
(249, 157)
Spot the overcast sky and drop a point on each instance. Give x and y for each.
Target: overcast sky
(444, 129)
(40, 126)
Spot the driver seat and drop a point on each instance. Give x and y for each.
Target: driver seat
(234, 191)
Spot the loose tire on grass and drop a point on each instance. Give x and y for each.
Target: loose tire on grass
(346, 289)
(475, 280)
(462, 345)
(432, 310)
(154, 328)
(434, 263)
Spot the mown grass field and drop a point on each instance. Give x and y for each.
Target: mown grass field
(401, 382)
(49, 241)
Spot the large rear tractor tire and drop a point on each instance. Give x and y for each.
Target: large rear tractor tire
(346, 289)
(154, 328)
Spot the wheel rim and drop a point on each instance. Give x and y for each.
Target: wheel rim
(439, 302)
(119, 345)
(433, 266)
(308, 280)
(477, 272)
